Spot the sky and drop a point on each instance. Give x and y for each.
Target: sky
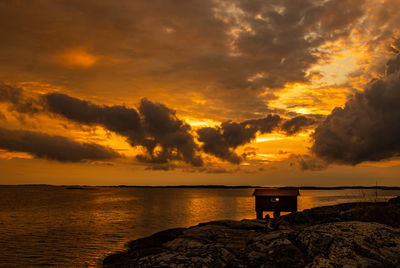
(164, 92)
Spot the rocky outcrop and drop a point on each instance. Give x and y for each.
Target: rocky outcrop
(352, 235)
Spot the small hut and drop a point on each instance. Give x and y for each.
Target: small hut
(276, 200)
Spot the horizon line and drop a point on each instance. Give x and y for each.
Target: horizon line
(307, 187)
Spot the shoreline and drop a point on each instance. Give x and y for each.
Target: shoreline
(366, 234)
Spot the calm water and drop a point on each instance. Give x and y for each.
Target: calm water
(54, 226)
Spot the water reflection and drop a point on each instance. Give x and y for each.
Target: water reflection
(313, 198)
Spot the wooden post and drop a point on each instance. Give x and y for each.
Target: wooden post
(259, 214)
(276, 214)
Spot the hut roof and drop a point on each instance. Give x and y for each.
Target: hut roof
(276, 192)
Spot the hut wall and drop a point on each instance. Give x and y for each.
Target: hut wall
(285, 203)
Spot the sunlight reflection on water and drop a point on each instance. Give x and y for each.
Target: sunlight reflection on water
(48, 225)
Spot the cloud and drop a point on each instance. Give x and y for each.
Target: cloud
(163, 128)
(222, 141)
(367, 128)
(10, 94)
(393, 65)
(263, 125)
(53, 147)
(19, 101)
(157, 129)
(227, 53)
(297, 124)
(214, 143)
(155, 126)
(119, 119)
(218, 170)
(77, 58)
(161, 167)
(309, 162)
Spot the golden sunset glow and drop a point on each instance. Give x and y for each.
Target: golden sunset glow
(214, 89)
(11, 155)
(79, 58)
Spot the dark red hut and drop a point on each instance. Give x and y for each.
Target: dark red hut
(276, 200)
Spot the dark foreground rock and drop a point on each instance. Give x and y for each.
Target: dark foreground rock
(346, 235)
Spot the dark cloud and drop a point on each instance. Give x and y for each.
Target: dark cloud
(297, 124)
(249, 152)
(163, 128)
(19, 102)
(367, 128)
(393, 65)
(309, 162)
(156, 127)
(119, 119)
(222, 141)
(263, 125)
(214, 143)
(53, 147)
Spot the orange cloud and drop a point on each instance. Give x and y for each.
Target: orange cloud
(310, 99)
(77, 57)
(4, 154)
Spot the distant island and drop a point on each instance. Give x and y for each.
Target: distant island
(251, 187)
(216, 186)
(80, 188)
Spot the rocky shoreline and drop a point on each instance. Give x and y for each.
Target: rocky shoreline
(345, 235)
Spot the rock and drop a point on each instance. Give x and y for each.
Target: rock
(353, 235)
(386, 213)
(395, 200)
(357, 244)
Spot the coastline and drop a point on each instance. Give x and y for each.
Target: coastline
(353, 234)
(212, 186)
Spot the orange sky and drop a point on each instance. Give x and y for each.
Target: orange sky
(199, 92)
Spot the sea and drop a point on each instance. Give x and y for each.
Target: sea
(58, 226)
